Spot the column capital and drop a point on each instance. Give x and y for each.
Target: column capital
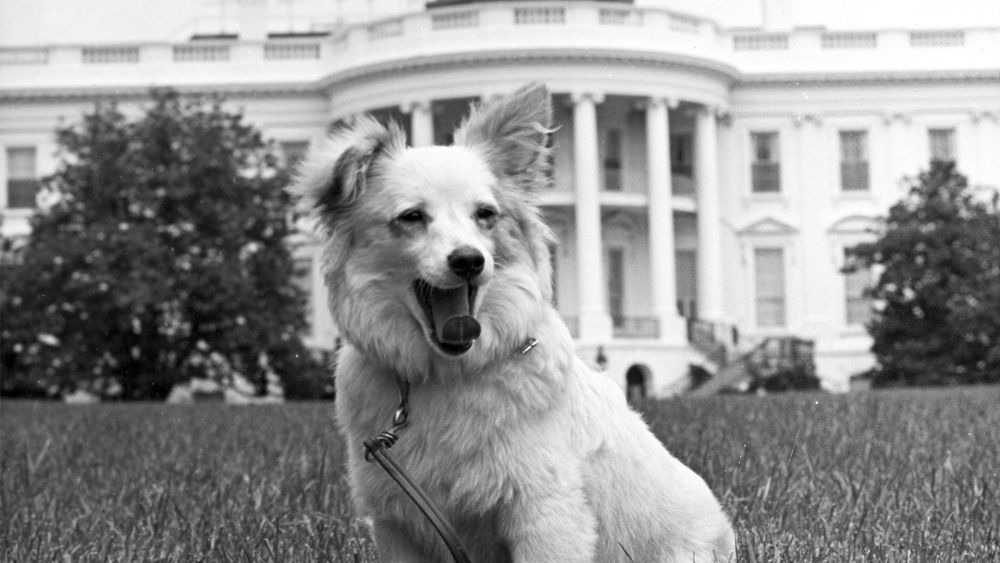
(801, 119)
(716, 111)
(984, 115)
(658, 101)
(489, 97)
(890, 117)
(594, 97)
(410, 106)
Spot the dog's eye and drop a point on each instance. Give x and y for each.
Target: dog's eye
(411, 216)
(487, 214)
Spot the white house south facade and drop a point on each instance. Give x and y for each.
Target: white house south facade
(701, 173)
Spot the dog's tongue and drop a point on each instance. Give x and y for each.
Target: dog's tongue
(453, 316)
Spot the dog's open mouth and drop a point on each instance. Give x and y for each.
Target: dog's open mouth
(449, 314)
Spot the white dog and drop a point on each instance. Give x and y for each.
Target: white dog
(438, 271)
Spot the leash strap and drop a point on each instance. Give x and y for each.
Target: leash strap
(379, 451)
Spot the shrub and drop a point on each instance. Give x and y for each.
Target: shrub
(160, 256)
(939, 290)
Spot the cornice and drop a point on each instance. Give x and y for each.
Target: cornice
(88, 93)
(864, 77)
(725, 73)
(728, 75)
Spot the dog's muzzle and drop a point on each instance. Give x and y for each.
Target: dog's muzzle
(449, 314)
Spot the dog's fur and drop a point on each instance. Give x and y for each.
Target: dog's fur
(533, 457)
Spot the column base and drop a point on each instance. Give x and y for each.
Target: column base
(595, 328)
(673, 329)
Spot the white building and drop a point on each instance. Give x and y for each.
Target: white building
(701, 171)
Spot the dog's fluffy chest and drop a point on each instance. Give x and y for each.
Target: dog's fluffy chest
(479, 426)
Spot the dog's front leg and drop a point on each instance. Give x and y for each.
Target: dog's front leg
(395, 543)
(559, 526)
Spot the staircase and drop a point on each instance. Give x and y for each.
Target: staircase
(775, 363)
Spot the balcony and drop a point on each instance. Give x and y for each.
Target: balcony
(442, 33)
(765, 55)
(21, 193)
(854, 176)
(467, 31)
(635, 327)
(766, 177)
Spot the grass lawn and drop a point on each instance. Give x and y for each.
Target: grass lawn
(885, 476)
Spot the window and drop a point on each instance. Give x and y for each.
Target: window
(302, 276)
(687, 283)
(769, 274)
(681, 162)
(766, 167)
(854, 160)
(942, 144)
(22, 183)
(858, 306)
(613, 160)
(616, 286)
(293, 152)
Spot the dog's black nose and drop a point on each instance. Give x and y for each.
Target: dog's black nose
(466, 262)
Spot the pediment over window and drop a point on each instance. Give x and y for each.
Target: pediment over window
(767, 226)
(856, 224)
(621, 225)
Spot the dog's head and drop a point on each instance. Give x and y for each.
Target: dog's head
(436, 251)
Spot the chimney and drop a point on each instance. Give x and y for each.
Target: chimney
(253, 20)
(776, 15)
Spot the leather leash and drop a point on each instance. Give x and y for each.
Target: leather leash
(377, 449)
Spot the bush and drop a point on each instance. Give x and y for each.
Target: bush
(160, 256)
(939, 290)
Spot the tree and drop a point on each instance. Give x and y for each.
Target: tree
(938, 320)
(160, 257)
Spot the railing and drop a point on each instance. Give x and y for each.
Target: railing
(540, 16)
(760, 42)
(454, 20)
(635, 327)
(488, 27)
(385, 29)
(110, 55)
(779, 363)
(291, 51)
(24, 56)
(21, 193)
(620, 16)
(717, 341)
(850, 40)
(200, 53)
(854, 176)
(766, 177)
(937, 39)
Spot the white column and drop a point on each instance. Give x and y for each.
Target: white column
(663, 271)
(594, 320)
(901, 153)
(421, 123)
(810, 271)
(710, 282)
(987, 135)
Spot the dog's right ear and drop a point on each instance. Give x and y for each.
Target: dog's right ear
(336, 173)
(512, 132)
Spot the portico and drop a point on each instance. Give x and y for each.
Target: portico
(585, 202)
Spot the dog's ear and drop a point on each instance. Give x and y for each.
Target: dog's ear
(336, 173)
(512, 133)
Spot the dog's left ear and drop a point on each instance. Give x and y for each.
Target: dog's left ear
(512, 133)
(336, 173)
